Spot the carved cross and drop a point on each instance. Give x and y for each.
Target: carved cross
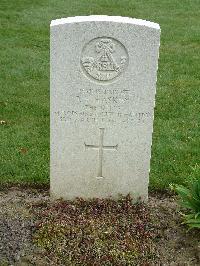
(101, 148)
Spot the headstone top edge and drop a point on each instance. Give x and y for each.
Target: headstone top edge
(104, 18)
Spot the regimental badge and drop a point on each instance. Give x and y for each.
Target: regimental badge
(104, 59)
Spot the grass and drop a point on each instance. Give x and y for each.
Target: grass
(24, 85)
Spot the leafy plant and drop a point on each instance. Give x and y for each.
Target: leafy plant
(190, 199)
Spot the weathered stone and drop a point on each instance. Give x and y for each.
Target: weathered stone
(103, 80)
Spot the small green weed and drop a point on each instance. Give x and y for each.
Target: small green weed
(190, 199)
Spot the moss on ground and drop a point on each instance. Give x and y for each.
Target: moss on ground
(96, 232)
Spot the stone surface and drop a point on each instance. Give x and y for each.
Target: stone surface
(103, 80)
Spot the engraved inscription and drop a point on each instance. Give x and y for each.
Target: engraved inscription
(91, 115)
(104, 105)
(101, 148)
(104, 59)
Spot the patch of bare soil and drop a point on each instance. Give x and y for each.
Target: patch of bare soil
(174, 245)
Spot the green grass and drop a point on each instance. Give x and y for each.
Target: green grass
(24, 85)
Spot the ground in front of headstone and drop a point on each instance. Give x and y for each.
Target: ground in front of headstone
(36, 231)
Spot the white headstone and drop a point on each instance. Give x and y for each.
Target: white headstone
(103, 80)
